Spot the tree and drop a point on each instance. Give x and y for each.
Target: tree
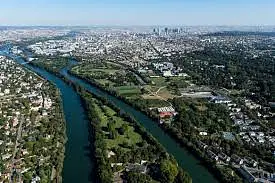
(183, 177)
(2, 121)
(132, 177)
(2, 167)
(124, 128)
(112, 130)
(168, 172)
(27, 177)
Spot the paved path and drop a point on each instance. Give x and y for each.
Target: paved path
(156, 95)
(160, 89)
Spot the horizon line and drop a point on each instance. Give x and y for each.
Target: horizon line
(139, 25)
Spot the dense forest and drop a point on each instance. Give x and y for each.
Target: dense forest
(233, 69)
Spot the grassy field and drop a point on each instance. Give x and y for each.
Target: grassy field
(166, 88)
(105, 82)
(89, 70)
(118, 79)
(128, 90)
(165, 94)
(161, 81)
(152, 88)
(130, 137)
(154, 92)
(109, 71)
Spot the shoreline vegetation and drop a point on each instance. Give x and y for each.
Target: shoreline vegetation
(61, 156)
(154, 160)
(220, 174)
(185, 145)
(59, 159)
(214, 97)
(180, 176)
(48, 127)
(210, 165)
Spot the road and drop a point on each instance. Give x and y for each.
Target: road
(15, 96)
(18, 138)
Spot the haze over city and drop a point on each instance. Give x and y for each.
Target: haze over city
(137, 12)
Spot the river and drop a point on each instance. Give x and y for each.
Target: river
(78, 167)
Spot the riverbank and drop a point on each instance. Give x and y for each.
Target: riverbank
(33, 144)
(184, 158)
(100, 166)
(221, 175)
(78, 166)
(148, 123)
(147, 150)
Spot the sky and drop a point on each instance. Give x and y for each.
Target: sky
(137, 12)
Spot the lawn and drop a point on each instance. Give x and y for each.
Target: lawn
(87, 69)
(109, 71)
(105, 82)
(165, 94)
(128, 90)
(161, 81)
(152, 88)
(130, 137)
(108, 111)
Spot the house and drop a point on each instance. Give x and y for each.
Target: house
(220, 100)
(116, 164)
(260, 134)
(246, 138)
(236, 109)
(136, 168)
(35, 179)
(203, 133)
(44, 113)
(202, 145)
(261, 140)
(250, 162)
(7, 91)
(236, 159)
(6, 156)
(183, 75)
(166, 112)
(212, 155)
(167, 73)
(224, 157)
(228, 136)
(238, 122)
(110, 154)
(252, 134)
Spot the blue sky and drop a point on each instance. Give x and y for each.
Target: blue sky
(137, 12)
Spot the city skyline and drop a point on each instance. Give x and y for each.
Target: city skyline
(121, 12)
(113, 91)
